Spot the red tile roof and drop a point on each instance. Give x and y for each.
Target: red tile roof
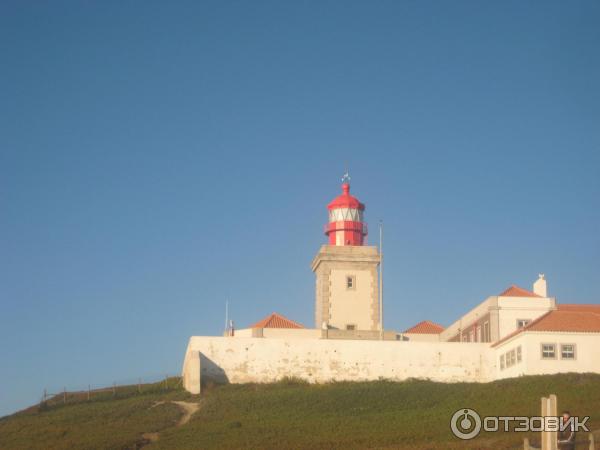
(566, 318)
(426, 327)
(572, 307)
(275, 320)
(516, 291)
(576, 318)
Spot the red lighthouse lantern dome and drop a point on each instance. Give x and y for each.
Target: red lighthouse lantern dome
(346, 226)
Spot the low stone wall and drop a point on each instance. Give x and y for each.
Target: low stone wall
(243, 360)
(360, 334)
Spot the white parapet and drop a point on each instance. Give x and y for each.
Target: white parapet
(192, 372)
(245, 360)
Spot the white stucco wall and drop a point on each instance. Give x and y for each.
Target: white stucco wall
(513, 308)
(292, 333)
(191, 371)
(503, 313)
(241, 360)
(587, 357)
(244, 332)
(423, 337)
(470, 317)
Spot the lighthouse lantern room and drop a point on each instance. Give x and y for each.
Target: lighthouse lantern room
(346, 225)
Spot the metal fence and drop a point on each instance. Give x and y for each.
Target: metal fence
(116, 390)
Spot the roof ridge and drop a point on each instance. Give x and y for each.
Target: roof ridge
(425, 327)
(579, 305)
(271, 320)
(510, 292)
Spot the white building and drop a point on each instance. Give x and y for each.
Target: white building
(565, 339)
(518, 332)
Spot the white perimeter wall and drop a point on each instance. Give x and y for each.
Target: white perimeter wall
(242, 360)
(291, 333)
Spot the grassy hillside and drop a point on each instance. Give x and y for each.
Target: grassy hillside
(105, 422)
(409, 415)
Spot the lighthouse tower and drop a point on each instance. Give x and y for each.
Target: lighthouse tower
(346, 269)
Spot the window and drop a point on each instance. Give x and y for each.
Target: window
(486, 332)
(522, 322)
(340, 214)
(350, 327)
(510, 358)
(350, 282)
(548, 351)
(567, 351)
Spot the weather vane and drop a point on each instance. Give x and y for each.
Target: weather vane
(346, 178)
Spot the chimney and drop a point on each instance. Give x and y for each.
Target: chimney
(540, 287)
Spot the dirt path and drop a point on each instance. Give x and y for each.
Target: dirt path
(188, 409)
(150, 437)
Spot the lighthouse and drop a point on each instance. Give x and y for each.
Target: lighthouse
(346, 269)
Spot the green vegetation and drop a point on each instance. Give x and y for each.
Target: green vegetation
(408, 415)
(104, 422)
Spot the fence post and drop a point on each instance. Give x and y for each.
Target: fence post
(592, 445)
(139, 385)
(553, 435)
(114, 388)
(544, 414)
(549, 409)
(89, 391)
(64, 394)
(43, 401)
(45, 394)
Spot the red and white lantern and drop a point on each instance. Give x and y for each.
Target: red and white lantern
(346, 226)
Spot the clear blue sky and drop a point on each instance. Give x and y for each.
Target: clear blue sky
(158, 158)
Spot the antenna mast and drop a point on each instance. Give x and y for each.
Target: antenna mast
(226, 317)
(381, 278)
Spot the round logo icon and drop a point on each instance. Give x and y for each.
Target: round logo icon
(465, 424)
